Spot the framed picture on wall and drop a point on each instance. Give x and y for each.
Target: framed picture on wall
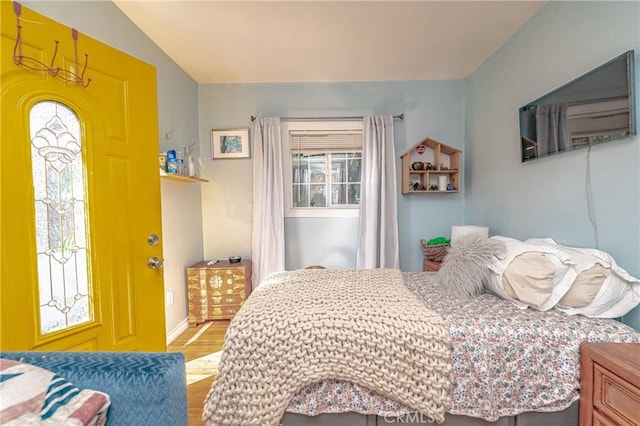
(233, 143)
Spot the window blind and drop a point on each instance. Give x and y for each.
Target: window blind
(325, 141)
(598, 118)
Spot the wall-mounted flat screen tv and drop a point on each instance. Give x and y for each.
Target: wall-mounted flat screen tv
(594, 108)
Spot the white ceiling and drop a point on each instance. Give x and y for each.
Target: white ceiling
(315, 41)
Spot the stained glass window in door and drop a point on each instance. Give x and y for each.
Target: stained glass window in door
(61, 222)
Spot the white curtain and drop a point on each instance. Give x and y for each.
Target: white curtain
(378, 230)
(552, 128)
(267, 241)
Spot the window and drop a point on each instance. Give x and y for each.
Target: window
(61, 223)
(323, 162)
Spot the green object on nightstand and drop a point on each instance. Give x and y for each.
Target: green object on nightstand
(438, 241)
(435, 249)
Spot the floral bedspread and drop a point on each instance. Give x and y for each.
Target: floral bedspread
(506, 360)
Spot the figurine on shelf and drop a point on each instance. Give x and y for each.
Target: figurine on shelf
(433, 187)
(451, 187)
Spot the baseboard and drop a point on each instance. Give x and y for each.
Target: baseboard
(178, 330)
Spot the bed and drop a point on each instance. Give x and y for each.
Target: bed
(508, 365)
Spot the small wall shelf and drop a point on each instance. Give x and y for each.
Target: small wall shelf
(436, 163)
(181, 178)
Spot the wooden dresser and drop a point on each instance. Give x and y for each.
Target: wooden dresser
(609, 384)
(217, 290)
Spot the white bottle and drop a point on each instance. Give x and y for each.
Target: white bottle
(180, 161)
(192, 166)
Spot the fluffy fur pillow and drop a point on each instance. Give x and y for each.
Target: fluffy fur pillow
(465, 267)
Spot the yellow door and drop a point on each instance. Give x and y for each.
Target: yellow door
(80, 194)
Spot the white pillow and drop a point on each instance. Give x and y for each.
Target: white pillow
(563, 274)
(529, 278)
(585, 287)
(618, 294)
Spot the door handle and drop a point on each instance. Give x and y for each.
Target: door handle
(155, 263)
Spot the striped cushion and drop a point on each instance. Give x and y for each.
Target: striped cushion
(33, 395)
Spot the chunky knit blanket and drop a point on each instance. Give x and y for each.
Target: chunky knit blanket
(304, 326)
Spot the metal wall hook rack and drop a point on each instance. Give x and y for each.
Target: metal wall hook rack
(34, 64)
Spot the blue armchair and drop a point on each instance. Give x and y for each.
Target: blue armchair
(145, 388)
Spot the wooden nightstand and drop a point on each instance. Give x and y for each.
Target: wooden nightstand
(217, 290)
(609, 384)
(430, 265)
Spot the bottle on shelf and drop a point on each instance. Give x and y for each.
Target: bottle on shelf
(180, 162)
(191, 166)
(172, 164)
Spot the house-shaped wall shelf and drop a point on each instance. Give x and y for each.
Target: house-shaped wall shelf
(431, 167)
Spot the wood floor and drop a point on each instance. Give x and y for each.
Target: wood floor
(198, 343)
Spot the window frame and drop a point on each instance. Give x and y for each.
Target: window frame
(293, 125)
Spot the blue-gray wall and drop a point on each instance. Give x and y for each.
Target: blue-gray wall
(547, 197)
(431, 108)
